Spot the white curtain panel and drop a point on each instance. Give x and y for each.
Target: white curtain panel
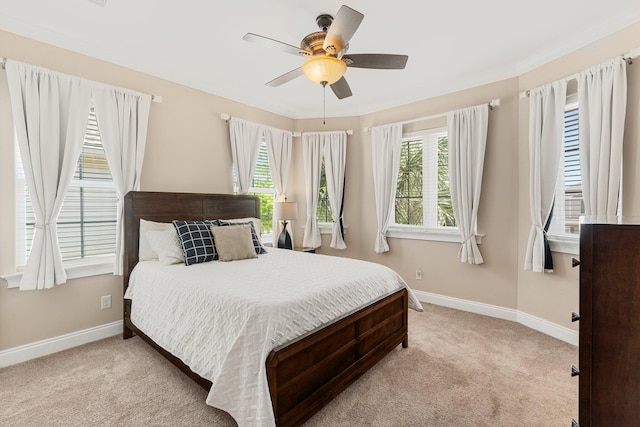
(546, 127)
(123, 117)
(335, 162)
(386, 145)
(50, 114)
(467, 134)
(245, 143)
(279, 144)
(312, 147)
(602, 105)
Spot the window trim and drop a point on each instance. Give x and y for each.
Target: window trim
(426, 232)
(565, 242)
(327, 228)
(266, 238)
(439, 234)
(323, 172)
(75, 269)
(406, 138)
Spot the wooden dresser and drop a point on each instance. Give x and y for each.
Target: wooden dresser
(609, 348)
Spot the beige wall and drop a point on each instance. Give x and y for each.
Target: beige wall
(353, 190)
(29, 316)
(186, 127)
(554, 296)
(494, 282)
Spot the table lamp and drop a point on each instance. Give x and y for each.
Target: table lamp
(285, 211)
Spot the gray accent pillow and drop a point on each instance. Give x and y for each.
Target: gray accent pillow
(255, 236)
(234, 243)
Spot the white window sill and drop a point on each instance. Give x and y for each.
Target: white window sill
(422, 233)
(75, 269)
(267, 239)
(327, 228)
(564, 244)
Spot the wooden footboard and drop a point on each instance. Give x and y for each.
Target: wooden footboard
(308, 373)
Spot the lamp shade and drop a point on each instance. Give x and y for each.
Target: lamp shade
(320, 69)
(285, 210)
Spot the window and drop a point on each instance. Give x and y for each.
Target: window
(423, 198)
(87, 221)
(323, 212)
(569, 203)
(262, 186)
(409, 197)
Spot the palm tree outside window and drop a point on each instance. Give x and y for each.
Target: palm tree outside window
(423, 198)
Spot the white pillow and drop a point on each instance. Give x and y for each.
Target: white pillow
(166, 244)
(257, 225)
(145, 252)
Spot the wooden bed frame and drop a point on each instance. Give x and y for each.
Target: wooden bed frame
(308, 372)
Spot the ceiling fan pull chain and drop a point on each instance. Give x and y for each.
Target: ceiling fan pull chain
(324, 102)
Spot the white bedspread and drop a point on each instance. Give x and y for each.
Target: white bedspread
(231, 315)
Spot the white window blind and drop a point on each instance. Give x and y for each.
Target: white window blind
(87, 221)
(423, 197)
(569, 203)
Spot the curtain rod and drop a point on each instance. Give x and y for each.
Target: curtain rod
(628, 58)
(154, 98)
(226, 118)
(492, 104)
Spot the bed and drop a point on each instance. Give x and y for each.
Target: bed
(303, 362)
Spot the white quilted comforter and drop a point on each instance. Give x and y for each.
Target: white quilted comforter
(223, 319)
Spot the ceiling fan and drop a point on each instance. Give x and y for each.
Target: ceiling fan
(326, 51)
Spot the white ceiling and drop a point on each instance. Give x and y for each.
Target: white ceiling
(452, 45)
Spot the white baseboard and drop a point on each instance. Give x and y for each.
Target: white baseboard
(560, 332)
(62, 342)
(467, 305)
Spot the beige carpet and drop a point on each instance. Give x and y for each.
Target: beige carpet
(460, 369)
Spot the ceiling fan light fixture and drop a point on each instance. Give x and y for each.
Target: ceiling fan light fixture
(324, 69)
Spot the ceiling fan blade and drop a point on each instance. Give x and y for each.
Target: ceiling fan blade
(341, 88)
(342, 29)
(275, 44)
(286, 77)
(379, 61)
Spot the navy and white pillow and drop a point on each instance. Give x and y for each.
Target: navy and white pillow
(254, 236)
(196, 240)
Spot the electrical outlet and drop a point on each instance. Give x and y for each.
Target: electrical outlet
(105, 302)
(418, 274)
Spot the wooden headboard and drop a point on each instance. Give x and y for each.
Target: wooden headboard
(165, 207)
